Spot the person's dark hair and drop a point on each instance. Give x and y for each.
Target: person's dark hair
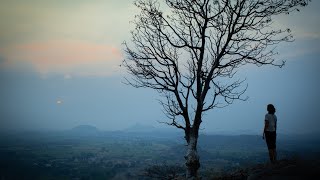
(271, 109)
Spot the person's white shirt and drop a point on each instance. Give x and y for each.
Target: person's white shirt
(272, 119)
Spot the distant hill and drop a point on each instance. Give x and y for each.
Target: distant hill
(85, 130)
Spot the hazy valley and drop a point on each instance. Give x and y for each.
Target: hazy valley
(85, 152)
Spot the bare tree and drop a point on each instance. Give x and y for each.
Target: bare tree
(189, 51)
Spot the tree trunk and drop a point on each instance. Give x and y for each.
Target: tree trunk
(192, 157)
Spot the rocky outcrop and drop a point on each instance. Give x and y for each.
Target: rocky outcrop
(292, 169)
(286, 169)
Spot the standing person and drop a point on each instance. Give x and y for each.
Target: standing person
(269, 132)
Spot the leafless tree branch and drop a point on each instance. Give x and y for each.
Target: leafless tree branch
(191, 53)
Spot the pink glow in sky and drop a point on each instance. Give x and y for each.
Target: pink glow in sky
(59, 67)
(60, 56)
(65, 37)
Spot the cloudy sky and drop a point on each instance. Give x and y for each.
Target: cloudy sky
(59, 67)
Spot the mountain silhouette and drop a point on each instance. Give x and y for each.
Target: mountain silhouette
(85, 130)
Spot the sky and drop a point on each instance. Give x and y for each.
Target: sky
(59, 68)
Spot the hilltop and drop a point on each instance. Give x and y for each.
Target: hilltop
(85, 128)
(293, 169)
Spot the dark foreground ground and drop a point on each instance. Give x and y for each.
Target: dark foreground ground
(286, 169)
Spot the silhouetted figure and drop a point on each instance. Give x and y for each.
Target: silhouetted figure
(270, 132)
